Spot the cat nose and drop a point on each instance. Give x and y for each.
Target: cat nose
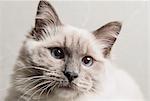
(70, 75)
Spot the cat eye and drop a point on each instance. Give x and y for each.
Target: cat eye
(57, 53)
(87, 61)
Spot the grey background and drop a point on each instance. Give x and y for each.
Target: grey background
(131, 48)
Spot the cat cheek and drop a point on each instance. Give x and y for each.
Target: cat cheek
(87, 78)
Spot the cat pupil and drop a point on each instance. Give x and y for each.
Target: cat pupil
(57, 53)
(87, 61)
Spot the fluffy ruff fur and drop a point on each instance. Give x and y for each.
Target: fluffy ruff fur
(39, 76)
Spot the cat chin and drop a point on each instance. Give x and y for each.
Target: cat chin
(65, 93)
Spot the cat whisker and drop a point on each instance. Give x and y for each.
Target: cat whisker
(81, 88)
(36, 92)
(45, 89)
(24, 80)
(29, 78)
(39, 68)
(92, 90)
(40, 84)
(31, 84)
(52, 88)
(75, 86)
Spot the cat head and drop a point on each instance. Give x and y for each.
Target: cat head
(62, 60)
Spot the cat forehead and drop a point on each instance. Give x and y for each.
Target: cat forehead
(74, 39)
(67, 35)
(71, 31)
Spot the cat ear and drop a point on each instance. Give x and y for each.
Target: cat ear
(46, 17)
(107, 35)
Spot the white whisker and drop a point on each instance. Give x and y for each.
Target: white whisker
(28, 78)
(31, 84)
(33, 88)
(45, 89)
(39, 68)
(36, 92)
(51, 89)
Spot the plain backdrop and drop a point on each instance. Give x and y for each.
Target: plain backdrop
(130, 51)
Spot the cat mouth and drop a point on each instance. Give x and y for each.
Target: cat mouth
(68, 87)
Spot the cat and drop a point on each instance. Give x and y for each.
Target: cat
(58, 62)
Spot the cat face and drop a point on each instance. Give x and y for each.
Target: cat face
(61, 60)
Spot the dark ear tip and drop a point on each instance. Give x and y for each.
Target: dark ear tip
(43, 2)
(116, 24)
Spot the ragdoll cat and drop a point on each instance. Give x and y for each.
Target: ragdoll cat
(58, 62)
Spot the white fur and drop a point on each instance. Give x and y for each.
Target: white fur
(117, 85)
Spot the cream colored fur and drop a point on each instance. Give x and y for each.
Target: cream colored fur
(101, 81)
(116, 84)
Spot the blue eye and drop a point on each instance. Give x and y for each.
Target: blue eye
(57, 53)
(87, 61)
